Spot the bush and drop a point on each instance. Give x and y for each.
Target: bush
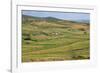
(82, 29)
(27, 37)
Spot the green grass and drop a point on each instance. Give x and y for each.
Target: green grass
(54, 40)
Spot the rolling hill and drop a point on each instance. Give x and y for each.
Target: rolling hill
(53, 39)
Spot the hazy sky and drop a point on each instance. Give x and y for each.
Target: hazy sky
(60, 15)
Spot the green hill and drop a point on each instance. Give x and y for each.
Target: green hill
(52, 39)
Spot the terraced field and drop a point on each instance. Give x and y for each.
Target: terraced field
(51, 39)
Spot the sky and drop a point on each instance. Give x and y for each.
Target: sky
(59, 15)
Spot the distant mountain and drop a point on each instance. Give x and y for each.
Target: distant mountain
(82, 21)
(85, 21)
(50, 18)
(26, 18)
(29, 18)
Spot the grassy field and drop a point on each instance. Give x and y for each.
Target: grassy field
(51, 39)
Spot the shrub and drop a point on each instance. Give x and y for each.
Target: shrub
(82, 29)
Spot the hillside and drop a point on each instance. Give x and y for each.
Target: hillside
(52, 39)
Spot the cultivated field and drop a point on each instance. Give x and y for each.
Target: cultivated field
(51, 39)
